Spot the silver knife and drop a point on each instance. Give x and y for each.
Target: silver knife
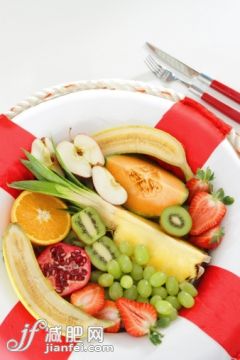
(192, 73)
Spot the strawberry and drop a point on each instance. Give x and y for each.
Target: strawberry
(90, 298)
(110, 312)
(139, 319)
(208, 210)
(201, 182)
(209, 239)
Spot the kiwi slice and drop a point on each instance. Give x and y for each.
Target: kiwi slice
(176, 221)
(101, 252)
(88, 225)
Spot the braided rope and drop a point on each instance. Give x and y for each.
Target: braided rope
(125, 85)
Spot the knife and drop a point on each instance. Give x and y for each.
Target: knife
(192, 73)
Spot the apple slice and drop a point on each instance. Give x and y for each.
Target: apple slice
(89, 149)
(74, 160)
(41, 152)
(107, 187)
(42, 149)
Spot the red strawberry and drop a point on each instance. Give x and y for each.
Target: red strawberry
(201, 182)
(90, 298)
(139, 319)
(110, 312)
(207, 210)
(209, 239)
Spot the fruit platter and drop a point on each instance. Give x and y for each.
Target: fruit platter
(112, 226)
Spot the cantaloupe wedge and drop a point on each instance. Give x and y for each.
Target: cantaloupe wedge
(150, 188)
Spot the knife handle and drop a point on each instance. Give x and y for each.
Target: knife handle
(217, 104)
(224, 108)
(220, 87)
(226, 90)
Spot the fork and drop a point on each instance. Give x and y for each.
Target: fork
(166, 75)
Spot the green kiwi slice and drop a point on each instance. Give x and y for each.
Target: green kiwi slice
(101, 252)
(176, 221)
(88, 225)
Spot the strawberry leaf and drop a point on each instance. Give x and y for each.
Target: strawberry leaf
(200, 174)
(228, 200)
(155, 336)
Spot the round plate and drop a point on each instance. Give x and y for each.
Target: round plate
(90, 111)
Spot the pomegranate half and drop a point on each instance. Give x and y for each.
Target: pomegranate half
(67, 267)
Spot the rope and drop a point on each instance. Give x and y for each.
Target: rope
(124, 85)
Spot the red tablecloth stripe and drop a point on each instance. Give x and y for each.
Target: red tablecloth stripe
(11, 329)
(217, 308)
(196, 128)
(13, 139)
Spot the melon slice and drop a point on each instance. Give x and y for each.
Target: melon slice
(150, 188)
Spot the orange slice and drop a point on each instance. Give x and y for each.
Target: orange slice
(41, 217)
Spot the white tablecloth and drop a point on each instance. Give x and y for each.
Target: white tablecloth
(44, 43)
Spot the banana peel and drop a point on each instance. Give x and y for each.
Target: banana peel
(35, 291)
(145, 140)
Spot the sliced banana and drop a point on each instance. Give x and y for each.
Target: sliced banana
(35, 291)
(144, 140)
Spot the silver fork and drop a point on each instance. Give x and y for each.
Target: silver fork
(161, 72)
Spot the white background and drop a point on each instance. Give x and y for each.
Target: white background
(43, 43)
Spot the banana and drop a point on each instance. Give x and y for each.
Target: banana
(35, 291)
(144, 140)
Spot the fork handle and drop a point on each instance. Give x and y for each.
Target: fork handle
(220, 87)
(217, 104)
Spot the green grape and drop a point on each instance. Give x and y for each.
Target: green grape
(189, 288)
(141, 255)
(154, 299)
(185, 299)
(163, 321)
(172, 285)
(142, 299)
(95, 275)
(160, 291)
(137, 272)
(148, 272)
(173, 301)
(126, 281)
(125, 263)
(131, 293)
(114, 269)
(144, 288)
(115, 291)
(163, 307)
(158, 279)
(125, 248)
(105, 280)
(174, 314)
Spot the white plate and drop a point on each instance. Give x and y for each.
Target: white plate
(90, 111)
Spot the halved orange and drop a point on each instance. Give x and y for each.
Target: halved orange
(41, 217)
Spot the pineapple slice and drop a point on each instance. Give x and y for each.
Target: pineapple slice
(173, 256)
